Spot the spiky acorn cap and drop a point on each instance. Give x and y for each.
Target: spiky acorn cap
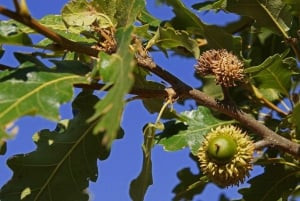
(225, 66)
(225, 155)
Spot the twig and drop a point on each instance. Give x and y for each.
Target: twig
(140, 92)
(259, 145)
(60, 40)
(185, 91)
(268, 103)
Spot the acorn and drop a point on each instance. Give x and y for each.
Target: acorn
(225, 156)
(225, 66)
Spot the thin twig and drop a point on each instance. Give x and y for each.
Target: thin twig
(57, 38)
(140, 92)
(259, 145)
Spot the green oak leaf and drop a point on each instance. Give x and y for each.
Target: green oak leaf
(105, 13)
(11, 34)
(210, 87)
(139, 186)
(294, 6)
(81, 13)
(128, 10)
(277, 181)
(296, 119)
(273, 76)
(34, 90)
(216, 36)
(116, 70)
(189, 130)
(146, 18)
(168, 38)
(271, 14)
(190, 185)
(64, 162)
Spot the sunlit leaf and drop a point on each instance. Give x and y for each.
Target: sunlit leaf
(11, 34)
(146, 18)
(81, 13)
(33, 90)
(168, 38)
(116, 71)
(128, 10)
(274, 73)
(189, 131)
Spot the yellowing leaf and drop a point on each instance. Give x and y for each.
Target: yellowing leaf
(25, 193)
(81, 13)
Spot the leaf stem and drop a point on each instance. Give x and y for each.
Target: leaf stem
(268, 103)
(169, 101)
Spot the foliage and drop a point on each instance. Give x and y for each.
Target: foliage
(104, 46)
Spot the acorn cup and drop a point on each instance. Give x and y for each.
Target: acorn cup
(225, 156)
(225, 66)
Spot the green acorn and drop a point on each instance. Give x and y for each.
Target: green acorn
(225, 156)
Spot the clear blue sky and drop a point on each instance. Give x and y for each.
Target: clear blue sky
(125, 160)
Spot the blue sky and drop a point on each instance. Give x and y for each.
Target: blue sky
(125, 160)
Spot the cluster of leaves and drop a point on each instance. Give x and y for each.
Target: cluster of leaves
(33, 88)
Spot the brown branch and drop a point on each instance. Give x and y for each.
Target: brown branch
(185, 91)
(140, 92)
(182, 89)
(259, 145)
(39, 28)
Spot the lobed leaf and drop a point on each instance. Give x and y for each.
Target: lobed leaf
(189, 130)
(34, 90)
(139, 186)
(190, 185)
(277, 181)
(168, 38)
(11, 34)
(274, 15)
(116, 70)
(63, 163)
(81, 13)
(273, 74)
(146, 18)
(103, 12)
(216, 37)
